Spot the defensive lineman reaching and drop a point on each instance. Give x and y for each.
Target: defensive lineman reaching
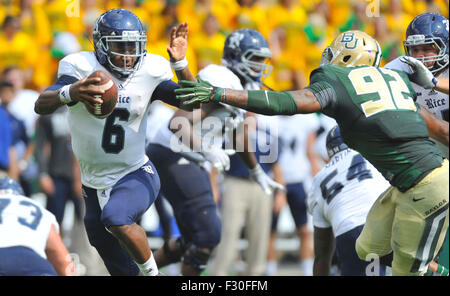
(119, 181)
(377, 115)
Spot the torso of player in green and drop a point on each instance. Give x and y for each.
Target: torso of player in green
(377, 114)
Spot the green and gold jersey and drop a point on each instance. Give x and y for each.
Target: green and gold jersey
(377, 115)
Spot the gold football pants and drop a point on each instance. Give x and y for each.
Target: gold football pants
(412, 224)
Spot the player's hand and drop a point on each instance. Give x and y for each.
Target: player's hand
(421, 74)
(266, 183)
(85, 91)
(178, 42)
(47, 185)
(218, 158)
(200, 91)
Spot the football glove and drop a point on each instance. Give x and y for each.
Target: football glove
(199, 91)
(421, 74)
(266, 183)
(218, 158)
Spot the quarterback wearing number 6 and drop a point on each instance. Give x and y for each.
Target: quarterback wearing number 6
(377, 115)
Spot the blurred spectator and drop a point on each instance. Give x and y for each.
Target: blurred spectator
(22, 105)
(19, 137)
(15, 47)
(8, 161)
(318, 35)
(208, 43)
(251, 15)
(397, 19)
(390, 46)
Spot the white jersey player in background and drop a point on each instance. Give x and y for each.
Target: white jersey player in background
(30, 244)
(119, 181)
(184, 167)
(427, 41)
(341, 196)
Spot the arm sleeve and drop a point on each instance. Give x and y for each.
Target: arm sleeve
(165, 92)
(323, 90)
(63, 80)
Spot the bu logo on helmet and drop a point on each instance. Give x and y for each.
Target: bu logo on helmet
(348, 38)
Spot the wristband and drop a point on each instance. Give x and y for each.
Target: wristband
(179, 65)
(64, 94)
(435, 81)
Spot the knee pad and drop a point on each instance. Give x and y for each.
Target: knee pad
(176, 254)
(197, 257)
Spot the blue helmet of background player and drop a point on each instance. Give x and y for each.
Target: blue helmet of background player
(246, 52)
(429, 28)
(10, 186)
(119, 41)
(334, 142)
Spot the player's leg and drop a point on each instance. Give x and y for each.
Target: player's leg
(259, 207)
(129, 198)
(350, 264)
(187, 188)
(56, 202)
(272, 254)
(296, 198)
(234, 205)
(117, 210)
(115, 258)
(420, 224)
(375, 238)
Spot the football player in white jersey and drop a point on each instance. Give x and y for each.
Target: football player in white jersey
(186, 184)
(30, 243)
(119, 181)
(427, 42)
(341, 195)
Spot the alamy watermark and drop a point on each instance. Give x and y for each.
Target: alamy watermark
(215, 132)
(373, 8)
(73, 8)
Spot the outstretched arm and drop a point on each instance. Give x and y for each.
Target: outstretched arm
(258, 101)
(58, 255)
(437, 128)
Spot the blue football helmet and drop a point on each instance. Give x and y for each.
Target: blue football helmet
(10, 186)
(429, 28)
(334, 142)
(118, 32)
(246, 52)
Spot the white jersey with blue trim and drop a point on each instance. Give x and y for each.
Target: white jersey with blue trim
(24, 222)
(293, 132)
(434, 101)
(108, 149)
(343, 192)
